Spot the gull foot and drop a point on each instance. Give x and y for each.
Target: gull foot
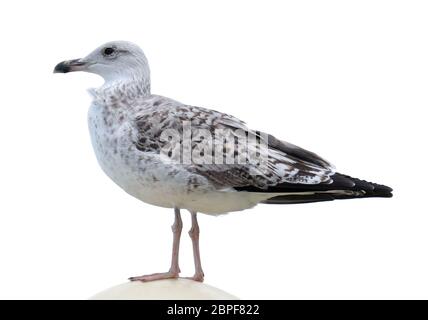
(197, 277)
(155, 276)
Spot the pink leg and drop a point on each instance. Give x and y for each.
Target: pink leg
(174, 270)
(194, 235)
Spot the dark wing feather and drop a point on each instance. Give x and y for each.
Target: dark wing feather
(297, 152)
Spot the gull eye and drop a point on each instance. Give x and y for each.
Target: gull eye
(108, 51)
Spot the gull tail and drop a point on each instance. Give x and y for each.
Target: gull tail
(342, 187)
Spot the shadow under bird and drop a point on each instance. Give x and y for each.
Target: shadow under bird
(131, 128)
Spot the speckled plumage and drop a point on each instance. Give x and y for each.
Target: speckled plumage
(126, 123)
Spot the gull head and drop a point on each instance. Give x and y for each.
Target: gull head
(114, 61)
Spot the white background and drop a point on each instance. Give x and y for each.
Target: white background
(346, 79)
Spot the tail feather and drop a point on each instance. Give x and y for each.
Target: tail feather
(342, 187)
(369, 189)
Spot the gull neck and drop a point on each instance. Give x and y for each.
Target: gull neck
(123, 91)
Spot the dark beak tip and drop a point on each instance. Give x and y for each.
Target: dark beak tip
(62, 67)
(70, 65)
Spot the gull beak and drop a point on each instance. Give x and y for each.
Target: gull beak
(70, 66)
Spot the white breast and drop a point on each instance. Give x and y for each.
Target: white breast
(143, 175)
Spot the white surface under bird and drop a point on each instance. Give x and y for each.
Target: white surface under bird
(178, 156)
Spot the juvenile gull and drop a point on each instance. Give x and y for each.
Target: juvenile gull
(127, 125)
